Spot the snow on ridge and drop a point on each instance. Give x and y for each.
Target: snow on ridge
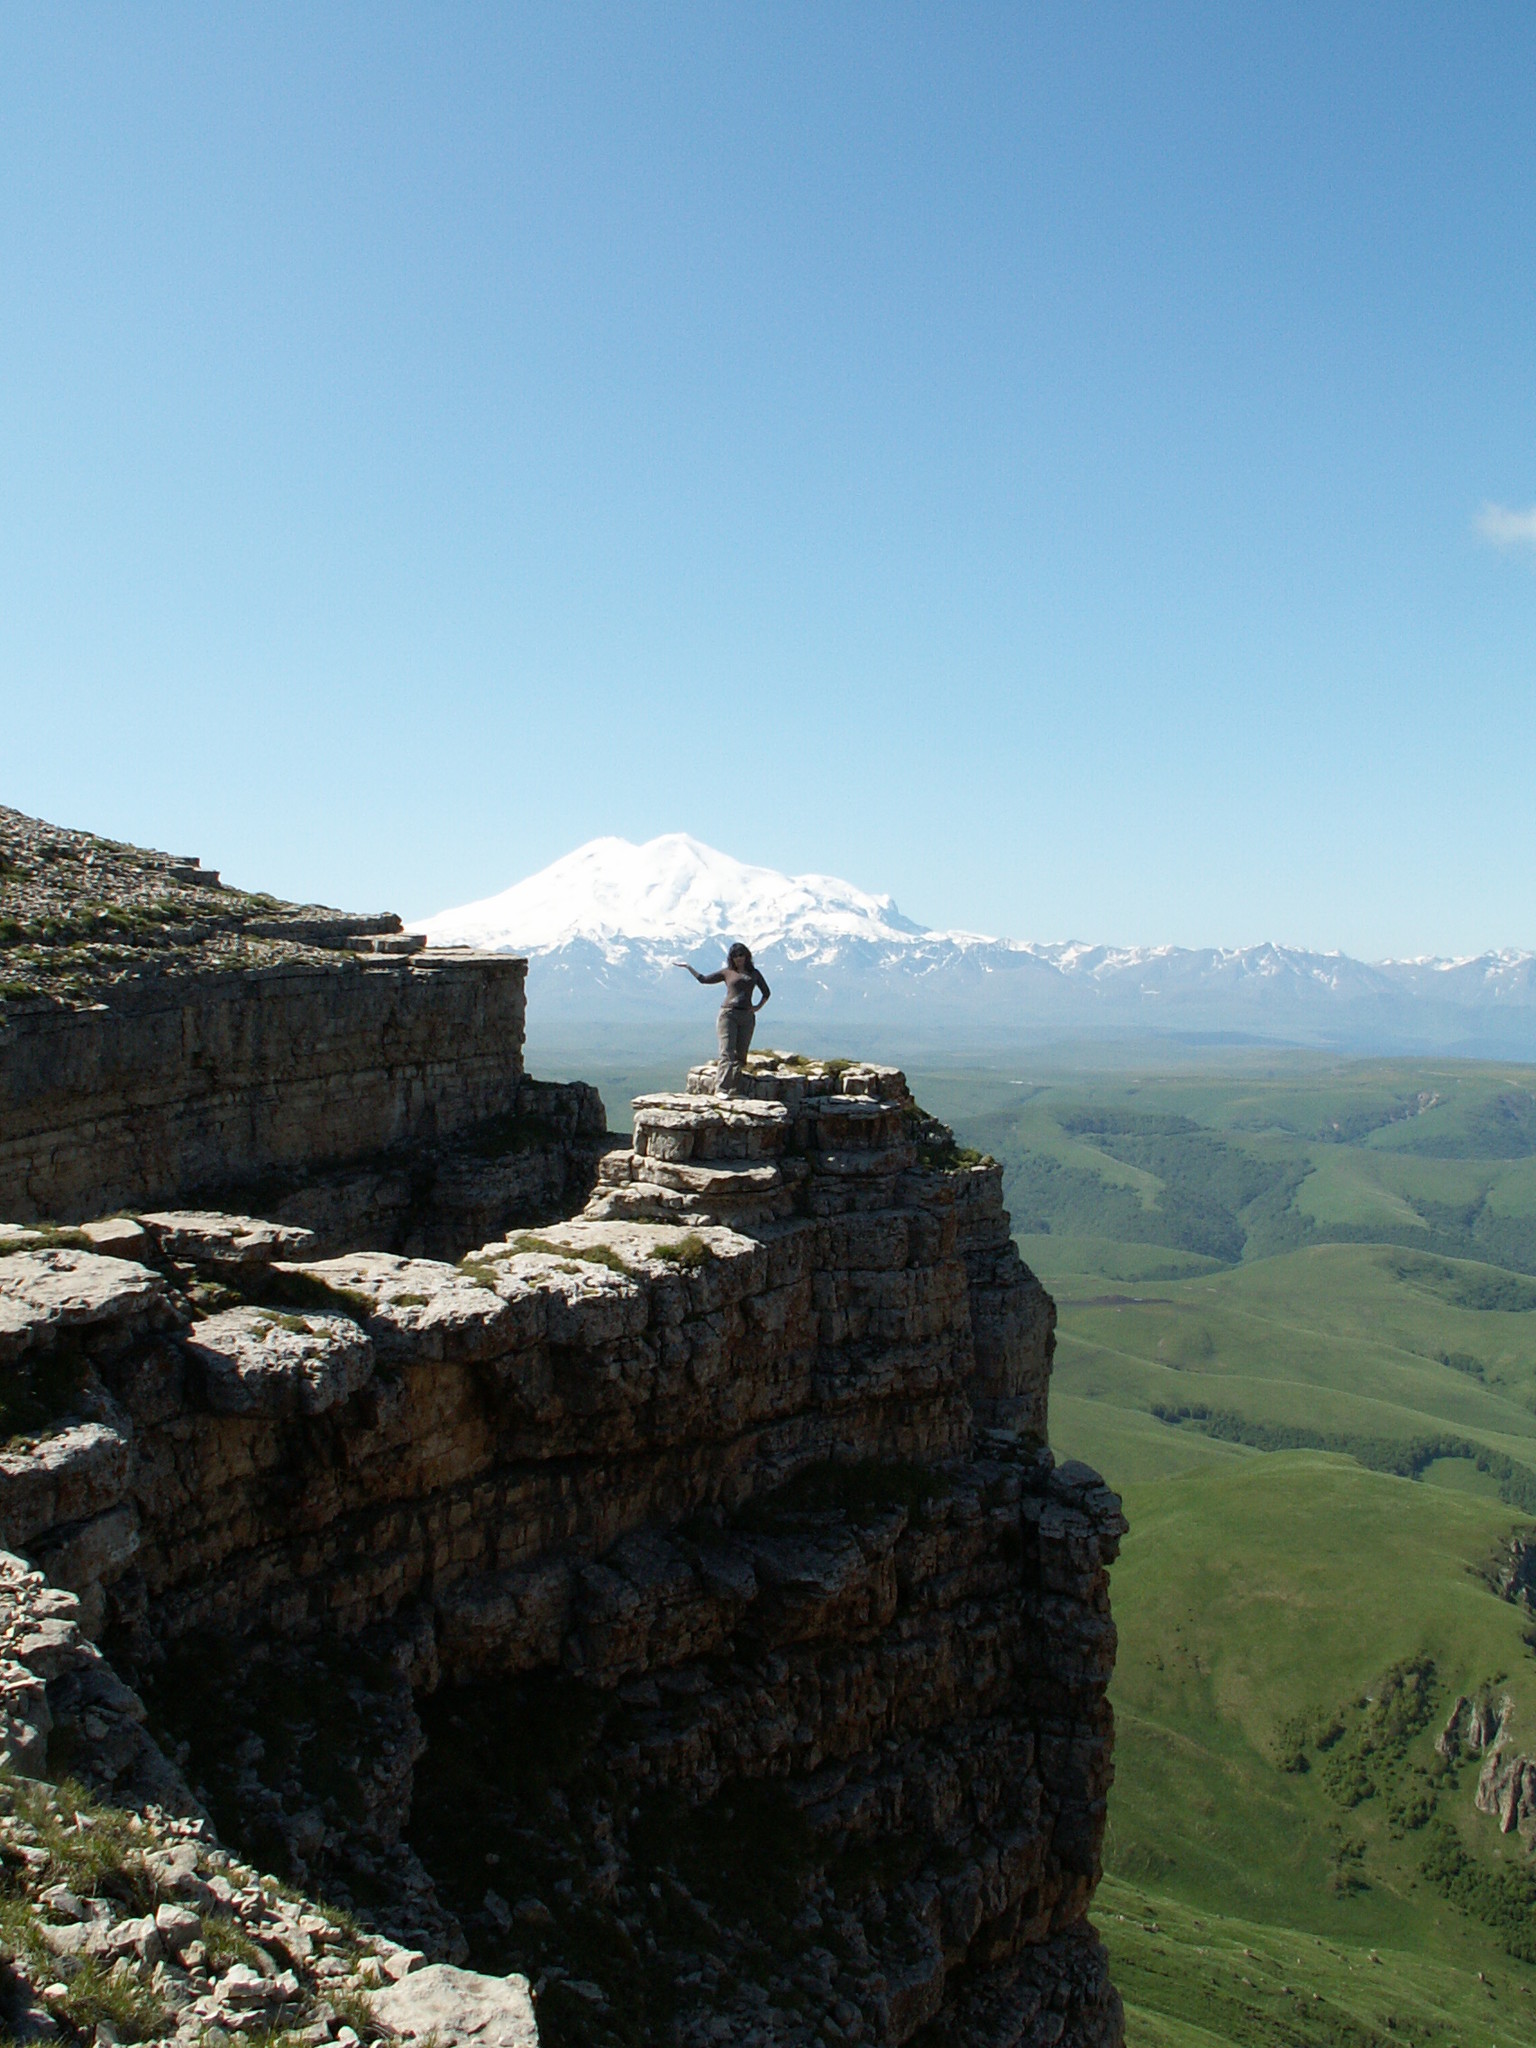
(639, 906)
(675, 891)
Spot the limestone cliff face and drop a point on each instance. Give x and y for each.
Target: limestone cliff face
(380, 1100)
(680, 1604)
(637, 1565)
(165, 1038)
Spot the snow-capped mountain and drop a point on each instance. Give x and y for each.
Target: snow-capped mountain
(673, 893)
(604, 926)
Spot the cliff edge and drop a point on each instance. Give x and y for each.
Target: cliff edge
(675, 1605)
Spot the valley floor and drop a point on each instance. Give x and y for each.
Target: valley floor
(1298, 1333)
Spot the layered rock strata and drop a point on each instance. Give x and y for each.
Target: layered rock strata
(679, 1603)
(165, 1040)
(244, 1078)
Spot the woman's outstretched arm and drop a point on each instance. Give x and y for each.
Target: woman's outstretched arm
(703, 979)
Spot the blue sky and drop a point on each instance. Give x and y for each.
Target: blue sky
(1034, 460)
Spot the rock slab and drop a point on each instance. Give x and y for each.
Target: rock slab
(459, 2008)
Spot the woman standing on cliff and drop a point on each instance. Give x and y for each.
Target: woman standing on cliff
(738, 1014)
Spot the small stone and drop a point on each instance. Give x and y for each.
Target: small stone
(208, 1237)
(179, 1927)
(175, 1871)
(117, 1237)
(295, 1944)
(59, 1899)
(240, 1985)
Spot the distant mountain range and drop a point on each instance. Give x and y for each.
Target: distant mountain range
(603, 925)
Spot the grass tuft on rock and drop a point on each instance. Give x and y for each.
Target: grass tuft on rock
(115, 1998)
(588, 1254)
(227, 1942)
(301, 1290)
(688, 1252)
(96, 1850)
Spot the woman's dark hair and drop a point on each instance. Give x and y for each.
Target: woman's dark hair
(739, 956)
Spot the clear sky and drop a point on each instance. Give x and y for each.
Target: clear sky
(1070, 466)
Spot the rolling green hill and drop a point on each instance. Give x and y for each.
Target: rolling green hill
(1240, 1157)
(1298, 1331)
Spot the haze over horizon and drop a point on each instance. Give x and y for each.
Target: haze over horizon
(1071, 471)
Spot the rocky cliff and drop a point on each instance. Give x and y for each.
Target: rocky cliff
(677, 1605)
(164, 1038)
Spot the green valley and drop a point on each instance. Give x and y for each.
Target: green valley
(1298, 1332)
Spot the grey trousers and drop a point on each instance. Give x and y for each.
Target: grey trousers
(734, 1034)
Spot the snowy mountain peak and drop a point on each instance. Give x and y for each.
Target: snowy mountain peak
(673, 891)
(608, 920)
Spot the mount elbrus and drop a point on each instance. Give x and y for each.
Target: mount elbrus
(604, 923)
(628, 1580)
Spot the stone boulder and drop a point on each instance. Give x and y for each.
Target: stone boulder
(205, 1238)
(459, 2009)
(46, 1291)
(257, 1361)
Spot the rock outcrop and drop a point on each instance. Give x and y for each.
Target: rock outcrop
(724, 1492)
(1506, 1783)
(634, 1571)
(166, 1039)
(1482, 1724)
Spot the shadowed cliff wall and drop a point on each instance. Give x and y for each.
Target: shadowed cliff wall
(178, 1088)
(642, 1604)
(678, 1602)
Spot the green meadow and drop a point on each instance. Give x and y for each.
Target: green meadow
(1297, 1331)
